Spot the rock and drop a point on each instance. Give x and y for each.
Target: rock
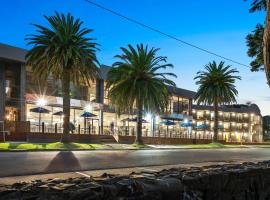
(231, 181)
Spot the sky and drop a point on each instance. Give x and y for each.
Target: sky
(217, 25)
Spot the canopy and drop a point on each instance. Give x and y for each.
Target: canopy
(39, 110)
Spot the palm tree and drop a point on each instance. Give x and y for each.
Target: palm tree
(136, 81)
(257, 5)
(254, 42)
(264, 5)
(64, 52)
(216, 87)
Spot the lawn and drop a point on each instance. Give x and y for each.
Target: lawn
(65, 146)
(50, 146)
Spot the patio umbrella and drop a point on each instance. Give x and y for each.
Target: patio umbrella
(202, 126)
(133, 120)
(59, 113)
(220, 126)
(186, 124)
(167, 123)
(39, 110)
(86, 115)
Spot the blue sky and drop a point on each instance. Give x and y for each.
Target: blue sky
(217, 25)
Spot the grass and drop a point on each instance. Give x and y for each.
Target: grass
(78, 146)
(49, 146)
(212, 146)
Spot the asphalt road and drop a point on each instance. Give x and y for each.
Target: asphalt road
(27, 163)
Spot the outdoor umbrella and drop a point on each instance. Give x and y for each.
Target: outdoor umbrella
(134, 120)
(59, 113)
(39, 110)
(220, 126)
(86, 115)
(186, 124)
(202, 126)
(167, 123)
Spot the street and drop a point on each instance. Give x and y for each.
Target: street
(28, 163)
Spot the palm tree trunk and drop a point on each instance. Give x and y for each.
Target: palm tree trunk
(215, 138)
(139, 126)
(266, 41)
(66, 105)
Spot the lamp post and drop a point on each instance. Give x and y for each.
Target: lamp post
(40, 103)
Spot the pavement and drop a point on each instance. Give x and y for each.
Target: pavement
(36, 163)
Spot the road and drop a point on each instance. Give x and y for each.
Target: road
(27, 163)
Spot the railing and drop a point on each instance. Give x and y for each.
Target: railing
(58, 128)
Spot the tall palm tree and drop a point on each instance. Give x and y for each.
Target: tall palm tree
(257, 5)
(216, 87)
(264, 5)
(254, 42)
(137, 81)
(63, 50)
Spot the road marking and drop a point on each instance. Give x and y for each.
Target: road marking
(83, 174)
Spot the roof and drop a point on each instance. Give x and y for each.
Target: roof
(182, 92)
(12, 53)
(104, 69)
(240, 108)
(176, 91)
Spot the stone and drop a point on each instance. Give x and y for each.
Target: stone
(245, 181)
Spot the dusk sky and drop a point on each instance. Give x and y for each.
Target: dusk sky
(217, 25)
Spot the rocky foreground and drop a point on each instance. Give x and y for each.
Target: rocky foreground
(234, 181)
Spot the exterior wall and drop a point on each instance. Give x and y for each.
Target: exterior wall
(234, 126)
(2, 91)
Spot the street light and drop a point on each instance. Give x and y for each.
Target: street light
(41, 102)
(88, 108)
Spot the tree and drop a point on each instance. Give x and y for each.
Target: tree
(136, 81)
(216, 87)
(254, 42)
(64, 52)
(259, 5)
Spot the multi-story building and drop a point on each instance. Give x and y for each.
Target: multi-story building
(21, 92)
(236, 122)
(266, 128)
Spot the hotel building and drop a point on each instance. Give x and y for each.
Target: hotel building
(21, 93)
